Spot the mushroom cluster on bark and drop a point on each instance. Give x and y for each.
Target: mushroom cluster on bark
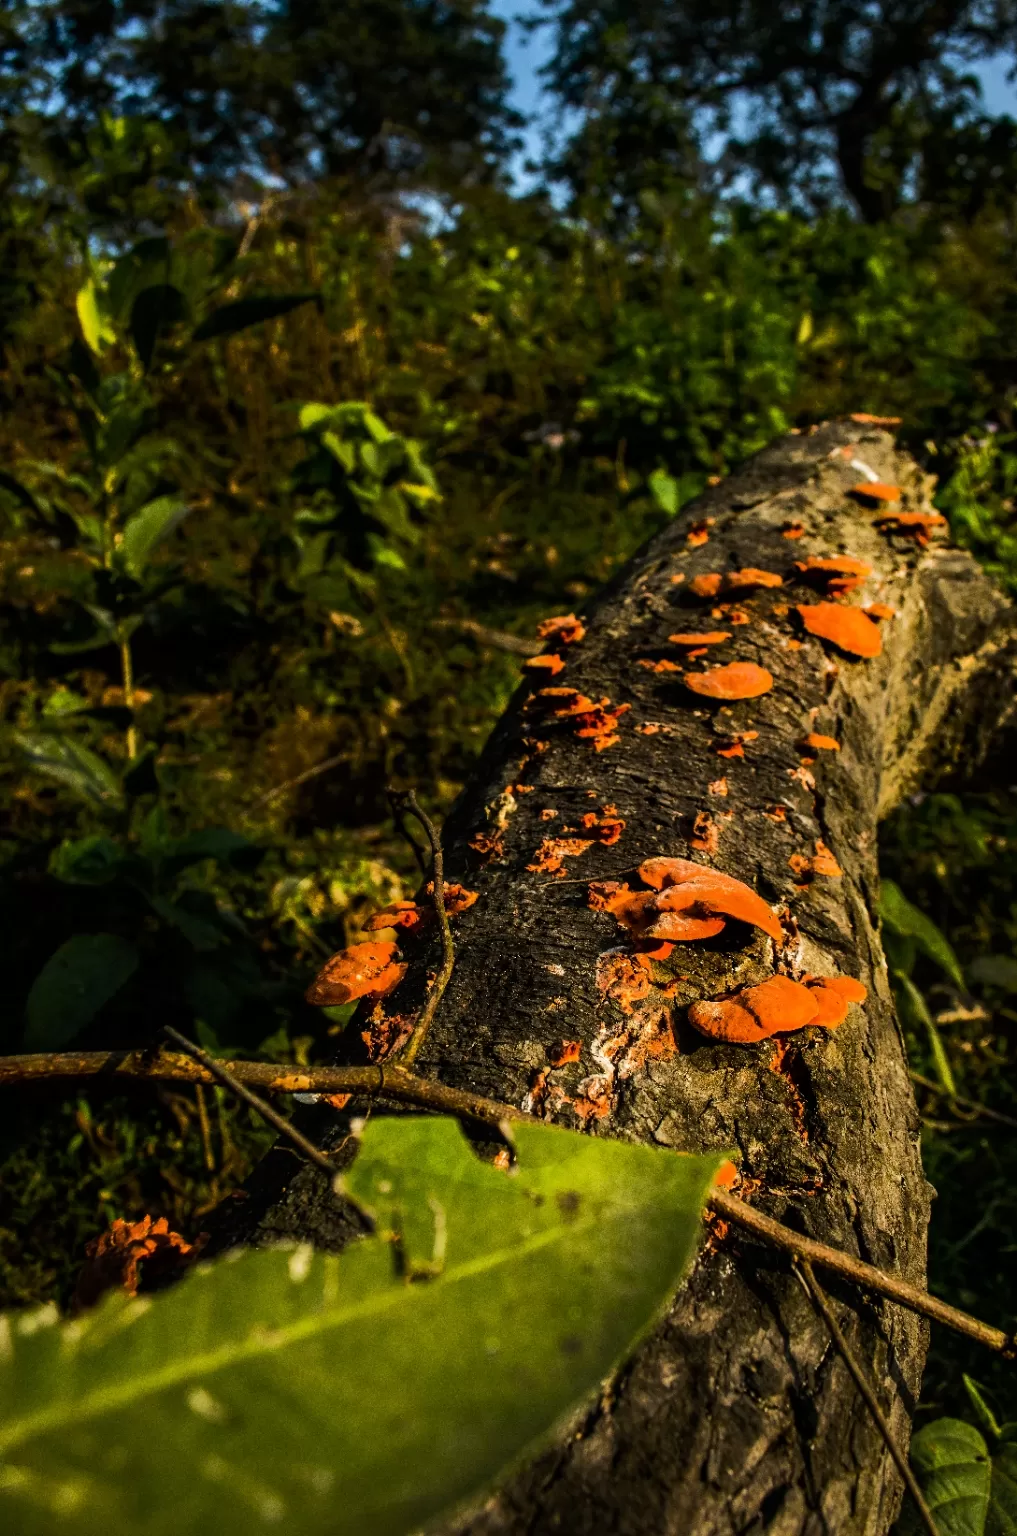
(696, 985)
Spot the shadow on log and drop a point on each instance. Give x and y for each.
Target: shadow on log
(736, 1416)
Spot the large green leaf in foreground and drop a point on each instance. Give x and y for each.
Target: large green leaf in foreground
(363, 1394)
(971, 1486)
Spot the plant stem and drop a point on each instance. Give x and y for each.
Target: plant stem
(127, 676)
(448, 958)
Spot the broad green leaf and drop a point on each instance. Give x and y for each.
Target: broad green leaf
(983, 1413)
(898, 913)
(971, 1485)
(72, 986)
(345, 453)
(92, 860)
(147, 263)
(242, 313)
(67, 762)
(951, 1462)
(153, 310)
(63, 702)
(915, 1011)
(313, 414)
(147, 528)
(201, 934)
(327, 1396)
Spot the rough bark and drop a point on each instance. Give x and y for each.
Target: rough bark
(736, 1416)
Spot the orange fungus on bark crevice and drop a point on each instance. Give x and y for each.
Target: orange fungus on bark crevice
(738, 680)
(847, 628)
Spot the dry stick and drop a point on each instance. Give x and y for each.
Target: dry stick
(404, 831)
(301, 778)
(497, 639)
(867, 1275)
(274, 1118)
(390, 1081)
(206, 1128)
(956, 1098)
(444, 976)
(821, 1302)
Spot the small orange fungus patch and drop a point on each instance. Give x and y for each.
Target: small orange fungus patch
(624, 978)
(918, 525)
(546, 666)
(549, 857)
(686, 901)
(565, 1053)
(699, 533)
(881, 611)
(563, 629)
(727, 1176)
(875, 421)
(739, 581)
(605, 826)
(839, 574)
(875, 490)
(738, 680)
(817, 743)
(710, 637)
(792, 530)
(705, 834)
(487, 845)
(659, 666)
(821, 863)
(834, 994)
(362, 970)
(113, 1259)
(847, 628)
(706, 586)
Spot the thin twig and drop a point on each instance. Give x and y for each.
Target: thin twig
(400, 821)
(821, 1302)
(391, 1081)
(266, 1111)
(301, 778)
(497, 639)
(979, 1109)
(384, 1080)
(448, 958)
(866, 1275)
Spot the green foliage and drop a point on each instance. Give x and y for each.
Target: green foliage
(425, 1360)
(72, 986)
(970, 1485)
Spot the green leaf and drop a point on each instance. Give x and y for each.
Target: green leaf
(231, 318)
(313, 414)
(664, 490)
(92, 860)
(951, 1462)
(154, 310)
(218, 843)
(67, 762)
(906, 920)
(147, 528)
(72, 986)
(995, 971)
(915, 1010)
(63, 702)
(327, 1396)
(201, 934)
(94, 327)
(983, 1412)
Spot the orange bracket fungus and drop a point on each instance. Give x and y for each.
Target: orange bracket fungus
(875, 421)
(563, 629)
(822, 862)
(706, 586)
(875, 490)
(709, 637)
(685, 901)
(918, 525)
(838, 575)
(777, 1007)
(412, 918)
(362, 970)
(738, 680)
(740, 581)
(881, 611)
(847, 628)
(699, 533)
(819, 743)
(546, 666)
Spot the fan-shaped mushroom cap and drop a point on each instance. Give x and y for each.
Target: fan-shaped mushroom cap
(707, 585)
(875, 490)
(847, 986)
(751, 576)
(548, 666)
(726, 1020)
(738, 680)
(713, 895)
(564, 628)
(847, 628)
(362, 970)
(833, 1008)
(678, 927)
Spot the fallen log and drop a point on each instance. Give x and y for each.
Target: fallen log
(770, 755)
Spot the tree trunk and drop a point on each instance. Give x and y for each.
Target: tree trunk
(736, 1416)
